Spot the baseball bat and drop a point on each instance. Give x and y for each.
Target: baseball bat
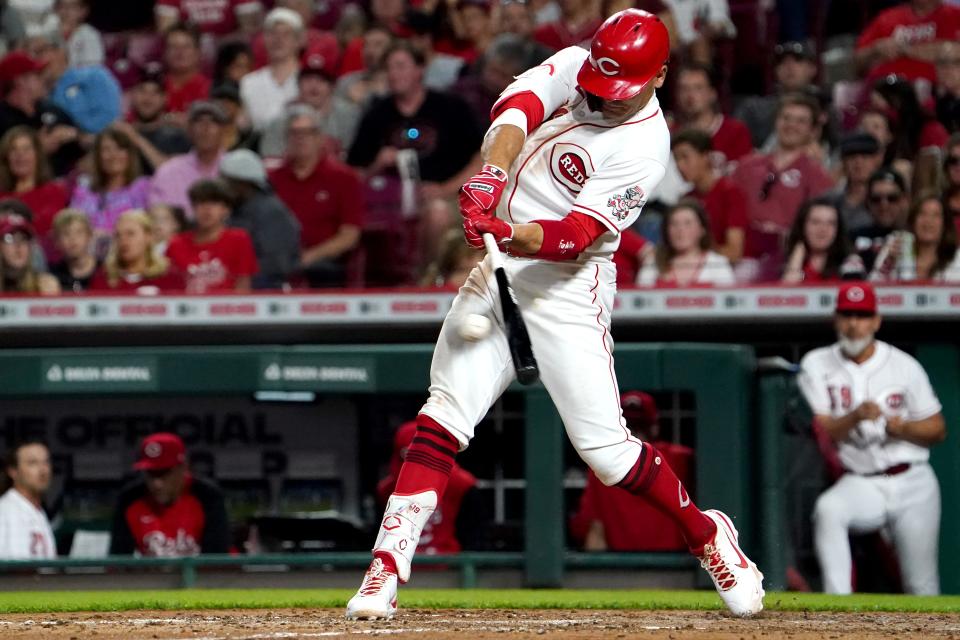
(521, 352)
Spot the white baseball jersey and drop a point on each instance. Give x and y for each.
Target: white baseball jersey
(834, 385)
(575, 161)
(25, 531)
(907, 504)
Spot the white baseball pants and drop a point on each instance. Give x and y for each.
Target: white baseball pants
(907, 505)
(566, 307)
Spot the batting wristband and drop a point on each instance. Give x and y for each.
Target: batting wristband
(513, 116)
(566, 239)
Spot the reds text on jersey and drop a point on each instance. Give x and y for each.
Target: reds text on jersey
(575, 161)
(25, 531)
(834, 385)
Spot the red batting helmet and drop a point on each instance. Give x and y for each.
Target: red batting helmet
(626, 53)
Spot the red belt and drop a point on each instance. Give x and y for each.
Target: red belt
(896, 469)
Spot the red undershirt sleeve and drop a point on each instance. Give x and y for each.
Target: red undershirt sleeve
(566, 239)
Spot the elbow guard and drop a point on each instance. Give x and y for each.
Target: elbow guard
(566, 239)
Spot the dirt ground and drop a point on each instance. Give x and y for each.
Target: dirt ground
(474, 625)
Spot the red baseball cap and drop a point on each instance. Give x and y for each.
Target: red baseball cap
(160, 451)
(639, 406)
(15, 64)
(857, 296)
(15, 223)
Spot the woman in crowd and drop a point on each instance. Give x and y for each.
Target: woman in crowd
(74, 236)
(25, 175)
(453, 265)
(926, 251)
(817, 245)
(951, 162)
(17, 273)
(167, 222)
(117, 184)
(132, 264)
(684, 257)
(234, 60)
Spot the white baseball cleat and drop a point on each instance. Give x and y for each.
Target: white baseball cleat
(377, 597)
(736, 577)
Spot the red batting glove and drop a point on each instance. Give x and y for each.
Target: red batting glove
(481, 193)
(474, 228)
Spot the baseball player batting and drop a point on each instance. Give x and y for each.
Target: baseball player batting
(876, 403)
(576, 147)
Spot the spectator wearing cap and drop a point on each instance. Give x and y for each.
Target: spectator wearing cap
(73, 234)
(696, 107)
(115, 185)
(185, 81)
(795, 68)
(818, 249)
(25, 530)
(17, 271)
(25, 103)
(156, 136)
(777, 183)
(214, 17)
(948, 86)
(362, 85)
(926, 251)
(887, 201)
(84, 44)
(212, 256)
(274, 229)
(205, 127)
(324, 194)
(339, 116)
(576, 25)
(132, 264)
(168, 512)
(322, 46)
(723, 201)
(237, 133)
(265, 92)
(881, 416)
(25, 174)
(611, 519)
(860, 156)
(904, 40)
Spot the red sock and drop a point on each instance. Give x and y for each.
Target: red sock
(426, 466)
(652, 478)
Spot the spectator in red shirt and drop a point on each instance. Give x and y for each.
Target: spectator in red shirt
(168, 512)
(132, 264)
(697, 108)
(26, 176)
(456, 523)
(776, 184)
(324, 194)
(724, 202)
(212, 256)
(903, 40)
(579, 20)
(629, 256)
(216, 17)
(817, 246)
(184, 80)
(611, 519)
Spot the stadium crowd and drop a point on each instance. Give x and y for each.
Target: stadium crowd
(235, 145)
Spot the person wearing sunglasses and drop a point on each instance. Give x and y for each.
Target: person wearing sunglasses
(926, 251)
(876, 405)
(887, 202)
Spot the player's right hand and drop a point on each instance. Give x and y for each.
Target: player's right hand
(480, 194)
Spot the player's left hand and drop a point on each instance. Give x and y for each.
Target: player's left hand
(895, 426)
(475, 227)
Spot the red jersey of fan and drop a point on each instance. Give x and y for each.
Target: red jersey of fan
(627, 258)
(630, 522)
(216, 265)
(731, 141)
(172, 280)
(211, 16)
(331, 196)
(726, 207)
(557, 35)
(439, 535)
(180, 97)
(901, 23)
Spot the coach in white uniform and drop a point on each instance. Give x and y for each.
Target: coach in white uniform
(25, 531)
(876, 403)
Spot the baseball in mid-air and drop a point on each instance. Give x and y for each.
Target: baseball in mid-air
(474, 327)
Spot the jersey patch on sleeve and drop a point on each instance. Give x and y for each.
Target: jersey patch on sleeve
(621, 204)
